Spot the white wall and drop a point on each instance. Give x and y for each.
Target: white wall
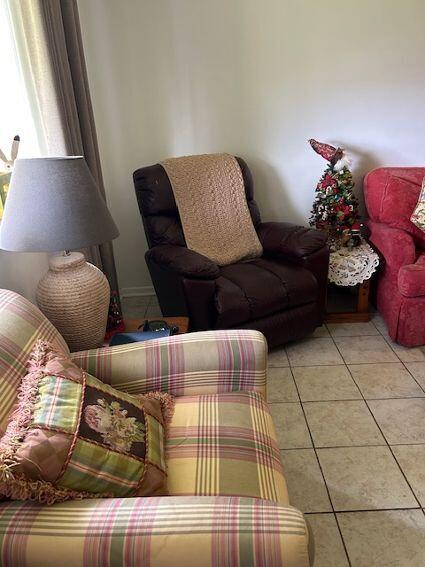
(256, 78)
(21, 271)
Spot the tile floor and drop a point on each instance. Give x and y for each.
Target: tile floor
(141, 306)
(349, 409)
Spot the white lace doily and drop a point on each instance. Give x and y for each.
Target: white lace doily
(351, 267)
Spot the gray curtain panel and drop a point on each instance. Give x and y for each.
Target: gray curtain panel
(48, 39)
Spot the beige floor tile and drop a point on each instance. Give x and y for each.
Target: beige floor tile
(385, 380)
(311, 352)
(153, 311)
(329, 549)
(320, 332)
(407, 354)
(133, 307)
(379, 323)
(393, 538)
(401, 421)
(352, 329)
(342, 423)
(306, 487)
(281, 386)
(364, 478)
(417, 369)
(291, 428)
(320, 383)
(277, 357)
(357, 350)
(411, 458)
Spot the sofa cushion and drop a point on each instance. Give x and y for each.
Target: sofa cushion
(72, 436)
(397, 206)
(224, 444)
(261, 287)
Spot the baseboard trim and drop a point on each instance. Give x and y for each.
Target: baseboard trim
(137, 291)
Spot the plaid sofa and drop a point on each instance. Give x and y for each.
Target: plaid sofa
(228, 503)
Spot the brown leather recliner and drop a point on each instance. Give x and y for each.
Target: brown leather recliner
(282, 294)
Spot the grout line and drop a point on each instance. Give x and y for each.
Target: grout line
(350, 446)
(321, 472)
(385, 439)
(418, 383)
(361, 510)
(347, 400)
(389, 446)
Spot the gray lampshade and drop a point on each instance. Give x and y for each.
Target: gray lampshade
(54, 204)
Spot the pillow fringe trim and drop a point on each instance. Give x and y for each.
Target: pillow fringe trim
(167, 405)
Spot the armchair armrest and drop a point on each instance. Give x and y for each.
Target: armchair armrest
(395, 245)
(303, 246)
(183, 261)
(290, 240)
(155, 531)
(207, 362)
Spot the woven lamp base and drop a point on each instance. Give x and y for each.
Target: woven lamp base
(74, 295)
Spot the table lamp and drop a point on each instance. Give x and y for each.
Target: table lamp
(54, 204)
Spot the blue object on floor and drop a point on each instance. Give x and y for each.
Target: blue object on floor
(140, 336)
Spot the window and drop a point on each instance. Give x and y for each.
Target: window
(15, 112)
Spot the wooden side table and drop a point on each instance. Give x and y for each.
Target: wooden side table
(349, 268)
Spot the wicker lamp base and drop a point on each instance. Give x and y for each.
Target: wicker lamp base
(74, 295)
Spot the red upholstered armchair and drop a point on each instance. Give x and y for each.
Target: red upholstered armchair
(391, 194)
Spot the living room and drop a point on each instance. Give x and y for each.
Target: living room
(212, 273)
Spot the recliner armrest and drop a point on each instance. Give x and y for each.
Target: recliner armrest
(290, 240)
(183, 261)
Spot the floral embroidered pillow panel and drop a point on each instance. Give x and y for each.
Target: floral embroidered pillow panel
(72, 436)
(418, 215)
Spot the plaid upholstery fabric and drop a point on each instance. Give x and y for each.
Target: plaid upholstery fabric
(153, 532)
(21, 325)
(224, 444)
(196, 363)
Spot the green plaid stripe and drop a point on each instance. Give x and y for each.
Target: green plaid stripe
(58, 404)
(93, 468)
(156, 449)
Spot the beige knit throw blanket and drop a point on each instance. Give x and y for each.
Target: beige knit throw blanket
(210, 195)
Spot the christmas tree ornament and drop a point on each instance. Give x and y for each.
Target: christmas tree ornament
(335, 208)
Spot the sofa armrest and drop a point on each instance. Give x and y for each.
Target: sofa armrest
(207, 362)
(411, 280)
(156, 531)
(395, 245)
(290, 240)
(183, 261)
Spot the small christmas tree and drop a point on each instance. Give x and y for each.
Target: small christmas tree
(335, 208)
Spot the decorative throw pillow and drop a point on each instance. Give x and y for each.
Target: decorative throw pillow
(72, 436)
(418, 215)
(398, 204)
